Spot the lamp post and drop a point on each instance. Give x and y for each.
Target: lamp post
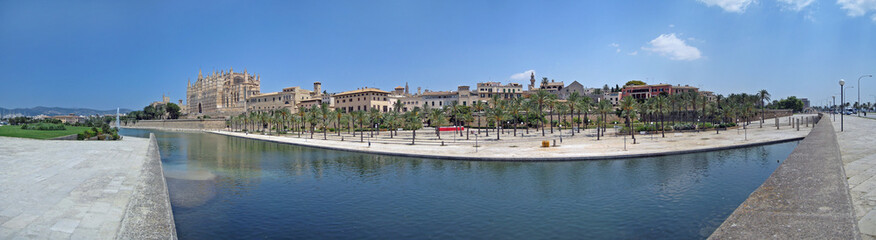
(841, 82)
(859, 92)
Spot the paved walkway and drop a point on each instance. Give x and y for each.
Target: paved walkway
(67, 189)
(583, 146)
(859, 157)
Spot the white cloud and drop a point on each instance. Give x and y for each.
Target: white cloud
(795, 5)
(634, 53)
(522, 76)
(737, 6)
(614, 45)
(674, 48)
(857, 8)
(671, 25)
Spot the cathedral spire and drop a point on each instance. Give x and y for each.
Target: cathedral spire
(200, 74)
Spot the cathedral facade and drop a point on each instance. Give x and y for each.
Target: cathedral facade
(220, 94)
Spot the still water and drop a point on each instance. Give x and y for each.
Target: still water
(231, 188)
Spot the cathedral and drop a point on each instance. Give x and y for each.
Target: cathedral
(220, 94)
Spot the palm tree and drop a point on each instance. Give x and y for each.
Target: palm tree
(628, 105)
(467, 118)
(562, 109)
(338, 113)
(584, 105)
(398, 105)
(498, 114)
(479, 107)
(325, 114)
(413, 122)
(302, 116)
(604, 107)
(551, 103)
(662, 102)
(359, 116)
(573, 101)
(515, 106)
(764, 96)
(375, 116)
(390, 119)
(436, 119)
(540, 97)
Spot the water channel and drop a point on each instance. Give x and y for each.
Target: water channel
(231, 188)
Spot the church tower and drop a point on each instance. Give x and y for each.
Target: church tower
(532, 81)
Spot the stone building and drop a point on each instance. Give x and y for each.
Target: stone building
(486, 90)
(363, 100)
(290, 98)
(221, 94)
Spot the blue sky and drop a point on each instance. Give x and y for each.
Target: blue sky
(107, 54)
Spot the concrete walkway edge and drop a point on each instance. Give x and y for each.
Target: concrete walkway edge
(807, 197)
(149, 214)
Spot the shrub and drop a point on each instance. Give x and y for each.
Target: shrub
(43, 126)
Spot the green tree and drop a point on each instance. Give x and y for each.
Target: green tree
(628, 105)
(635, 82)
(173, 110)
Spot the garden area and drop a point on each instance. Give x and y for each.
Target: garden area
(52, 128)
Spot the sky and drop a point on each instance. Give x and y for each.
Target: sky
(108, 54)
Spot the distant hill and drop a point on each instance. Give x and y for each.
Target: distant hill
(52, 111)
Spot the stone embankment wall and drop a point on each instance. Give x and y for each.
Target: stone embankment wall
(179, 124)
(807, 197)
(149, 214)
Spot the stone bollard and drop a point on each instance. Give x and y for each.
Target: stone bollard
(807, 121)
(798, 124)
(790, 122)
(555, 142)
(777, 123)
(442, 143)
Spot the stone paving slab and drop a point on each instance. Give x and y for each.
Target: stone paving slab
(53, 189)
(859, 158)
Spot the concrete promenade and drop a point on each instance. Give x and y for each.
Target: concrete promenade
(859, 157)
(806, 197)
(83, 190)
(581, 147)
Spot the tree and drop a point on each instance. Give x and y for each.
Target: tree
(436, 119)
(413, 122)
(325, 114)
(360, 116)
(573, 101)
(628, 105)
(479, 108)
(375, 116)
(634, 83)
(603, 108)
(764, 96)
(173, 110)
(662, 102)
(398, 105)
(338, 113)
(498, 114)
(540, 98)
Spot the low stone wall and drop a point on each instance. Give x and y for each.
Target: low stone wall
(807, 197)
(187, 124)
(149, 214)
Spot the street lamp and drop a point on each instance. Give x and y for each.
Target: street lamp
(842, 82)
(859, 92)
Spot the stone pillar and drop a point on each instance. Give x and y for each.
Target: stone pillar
(798, 124)
(777, 123)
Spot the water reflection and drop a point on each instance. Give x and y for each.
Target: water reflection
(223, 187)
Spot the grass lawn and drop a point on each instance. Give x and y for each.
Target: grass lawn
(16, 131)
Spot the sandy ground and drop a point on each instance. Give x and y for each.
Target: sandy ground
(528, 146)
